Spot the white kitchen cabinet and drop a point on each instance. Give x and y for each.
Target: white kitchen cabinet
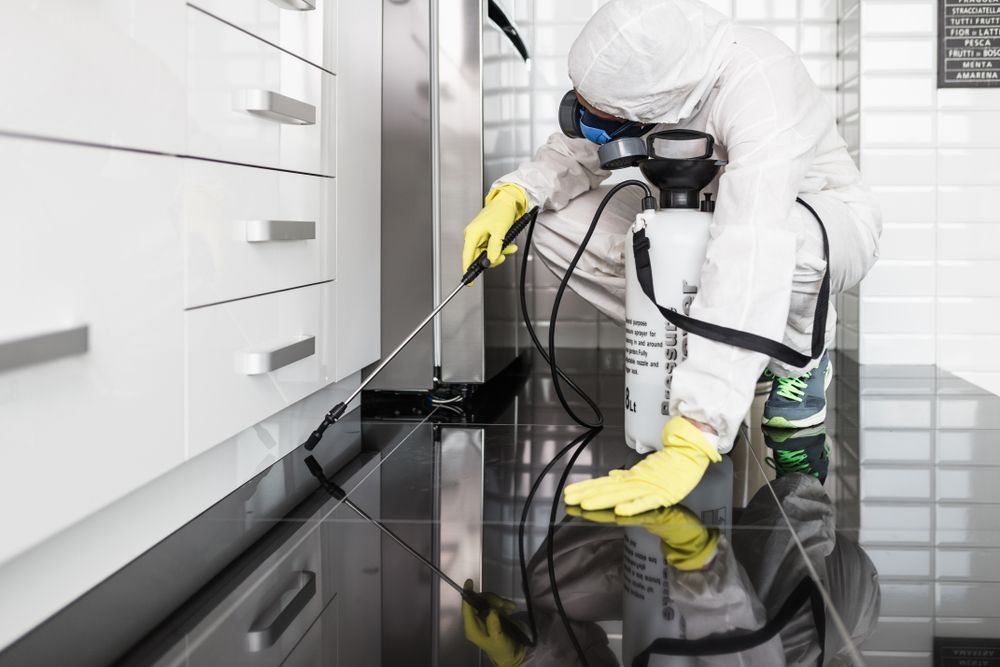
(359, 184)
(133, 270)
(248, 359)
(92, 242)
(248, 231)
(307, 28)
(110, 72)
(252, 103)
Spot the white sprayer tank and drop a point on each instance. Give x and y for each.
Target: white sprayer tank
(653, 347)
(678, 238)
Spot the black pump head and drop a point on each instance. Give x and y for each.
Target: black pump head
(680, 180)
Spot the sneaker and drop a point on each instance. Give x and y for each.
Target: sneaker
(799, 402)
(804, 451)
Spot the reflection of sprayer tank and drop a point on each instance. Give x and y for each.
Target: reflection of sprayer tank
(648, 609)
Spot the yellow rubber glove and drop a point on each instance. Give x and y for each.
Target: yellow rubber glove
(504, 205)
(685, 542)
(488, 634)
(662, 479)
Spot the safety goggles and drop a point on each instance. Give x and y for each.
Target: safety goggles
(602, 130)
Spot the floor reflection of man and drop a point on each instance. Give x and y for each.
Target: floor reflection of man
(719, 586)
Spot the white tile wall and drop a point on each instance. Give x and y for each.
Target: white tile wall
(934, 159)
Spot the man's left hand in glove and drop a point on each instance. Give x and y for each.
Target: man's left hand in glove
(662, 479)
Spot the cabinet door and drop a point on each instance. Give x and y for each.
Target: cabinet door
(359, 177)
(249, 102)
(110, 72)
(306, 28)
(91, 331)
(249, 231)
(250, 358)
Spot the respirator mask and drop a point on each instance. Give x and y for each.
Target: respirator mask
(619, 140)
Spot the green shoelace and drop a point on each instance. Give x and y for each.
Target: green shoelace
(791, 388)
(786, 462)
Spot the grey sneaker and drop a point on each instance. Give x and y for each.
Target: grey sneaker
(799, 402)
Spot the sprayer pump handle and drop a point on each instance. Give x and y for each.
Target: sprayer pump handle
(682, 135)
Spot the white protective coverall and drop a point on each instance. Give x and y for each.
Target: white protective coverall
(743, 586)
(680, 64)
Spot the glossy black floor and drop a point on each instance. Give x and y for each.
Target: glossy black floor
(899, 545)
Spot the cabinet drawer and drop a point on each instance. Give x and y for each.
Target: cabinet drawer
(306, 28)
(251, 103)
(262, 620)
(91, 330)
(247, 359)
(248, 231)
(110, 73)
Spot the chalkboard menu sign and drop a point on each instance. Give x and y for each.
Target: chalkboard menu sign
(968, 43)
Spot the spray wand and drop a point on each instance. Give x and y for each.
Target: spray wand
(480, 264)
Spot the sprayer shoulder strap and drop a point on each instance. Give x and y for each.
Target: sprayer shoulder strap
(735, 337)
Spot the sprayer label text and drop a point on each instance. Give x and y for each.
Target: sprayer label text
(675, 344)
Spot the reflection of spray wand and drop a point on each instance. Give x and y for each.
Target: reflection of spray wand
(477, 601)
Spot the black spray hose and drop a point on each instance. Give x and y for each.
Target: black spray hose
(553, 368)
(524, 520)
(550, 544)
(648, 202)
(584, 439)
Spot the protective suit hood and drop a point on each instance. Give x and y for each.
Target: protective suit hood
(651, 61)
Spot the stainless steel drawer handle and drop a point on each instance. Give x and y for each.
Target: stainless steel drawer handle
(296, 5)
(38, 349)
(270, 625)
(275, 106)
(261, 231)
(265, 361)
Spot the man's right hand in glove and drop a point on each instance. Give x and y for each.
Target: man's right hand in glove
(504, 205)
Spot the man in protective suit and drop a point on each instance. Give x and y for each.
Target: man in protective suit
(641, 66)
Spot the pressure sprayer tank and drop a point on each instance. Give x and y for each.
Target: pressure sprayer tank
(678, 236)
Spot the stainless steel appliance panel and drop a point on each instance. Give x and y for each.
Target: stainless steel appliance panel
(433, 174)
(460, 132)
(407, 194)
